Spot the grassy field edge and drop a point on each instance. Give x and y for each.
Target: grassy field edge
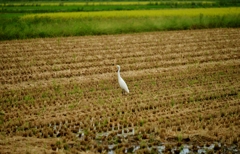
(15, 28)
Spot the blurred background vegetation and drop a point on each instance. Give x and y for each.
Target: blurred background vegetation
(12, 25)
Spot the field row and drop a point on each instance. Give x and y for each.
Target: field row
(98, 3)
(139, 13)
(41, 7)
(46, 62)
(205, 78)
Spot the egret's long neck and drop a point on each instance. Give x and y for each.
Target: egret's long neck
(119, 73)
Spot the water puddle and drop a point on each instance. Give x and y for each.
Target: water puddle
(124, 133)
(184, 149)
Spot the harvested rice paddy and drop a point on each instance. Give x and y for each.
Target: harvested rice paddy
(62, 94)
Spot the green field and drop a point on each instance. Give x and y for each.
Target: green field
(37, 7)
(26, 19)
(80, 3)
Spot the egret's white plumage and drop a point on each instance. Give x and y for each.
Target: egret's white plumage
(121, 82)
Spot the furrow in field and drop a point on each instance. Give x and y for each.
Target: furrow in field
(181, 92)
(78, 70)
(150, 114)
(99, 53)
(125, 48)
(112, 76)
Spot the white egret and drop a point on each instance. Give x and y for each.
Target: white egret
(121, 82)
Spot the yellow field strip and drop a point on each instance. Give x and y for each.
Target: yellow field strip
(141, 13)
